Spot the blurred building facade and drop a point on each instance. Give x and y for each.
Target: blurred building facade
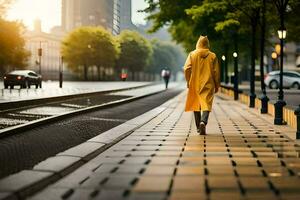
(106, 13)
(50, 45)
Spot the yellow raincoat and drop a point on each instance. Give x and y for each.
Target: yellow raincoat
(202, 74)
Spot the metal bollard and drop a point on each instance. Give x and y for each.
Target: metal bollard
(297, 113)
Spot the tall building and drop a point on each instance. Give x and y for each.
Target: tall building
(125, 16)
(76, 13)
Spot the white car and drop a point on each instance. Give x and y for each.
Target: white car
(290, 79)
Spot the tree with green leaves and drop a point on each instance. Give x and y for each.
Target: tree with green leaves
(136, 52)
(13, 54)
(166, 55)
(106, 49)
(89, 46)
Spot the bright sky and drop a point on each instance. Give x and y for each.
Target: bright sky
(49, 11)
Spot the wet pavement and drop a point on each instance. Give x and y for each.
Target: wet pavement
(24, 150)
(51, 89)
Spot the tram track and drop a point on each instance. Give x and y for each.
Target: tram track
(20, 119)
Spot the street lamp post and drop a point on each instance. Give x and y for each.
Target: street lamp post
(264, 98)
(280, 102)
(236, 77)
(281, 7)
(40, 53)
(224, 68)
(61, 67)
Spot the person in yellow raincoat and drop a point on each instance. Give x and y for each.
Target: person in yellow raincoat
(202, 74)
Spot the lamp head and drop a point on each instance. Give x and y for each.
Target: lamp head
(281, 33)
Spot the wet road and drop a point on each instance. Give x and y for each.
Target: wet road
(292, 97)
(51, 89)
(24, 150)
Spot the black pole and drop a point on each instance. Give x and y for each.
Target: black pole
(40, 52)
(61, 72)
(222, 70)
(226, 64)
(278, 120)
(236, 72)
(297, 113)
(264, 99)
(252, 70)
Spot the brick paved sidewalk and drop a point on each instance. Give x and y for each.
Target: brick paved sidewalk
(243, 156)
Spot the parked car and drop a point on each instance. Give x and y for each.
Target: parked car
(23, 78)
(290, 79)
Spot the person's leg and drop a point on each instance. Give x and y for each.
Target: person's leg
(204, 117)
(204, 120)
(167, 82)
(197, 115)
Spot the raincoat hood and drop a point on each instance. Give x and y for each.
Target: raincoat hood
(203, 46)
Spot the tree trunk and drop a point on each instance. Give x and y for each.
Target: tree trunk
(98, 73)
(85, 72)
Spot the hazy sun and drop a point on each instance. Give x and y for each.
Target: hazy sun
(49, 11)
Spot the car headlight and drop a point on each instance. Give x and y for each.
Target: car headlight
(4, 77)
(19, 77)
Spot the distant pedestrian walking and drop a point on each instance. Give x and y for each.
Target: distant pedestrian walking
(202, 74)
(165, 74)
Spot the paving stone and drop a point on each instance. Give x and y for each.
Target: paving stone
(274, 171)
(130, 169)
(82, 150)
(77, 177)
(191, 161)
(165, 160)
(189, 170)
(159, 170)
(218, 161)
(119, 182)
(94, 181)
(7, 196)
(250, 183)
(152, 184)
(58, 164)
(225, 182)
(52, 194)
(248, 171)
(22, 180)
(229, 195)
(188, 184)
(261, 195)
(220, 170)
(286, 183)
(105, 194)
(112, 134)
(181, 195)
(147, 196)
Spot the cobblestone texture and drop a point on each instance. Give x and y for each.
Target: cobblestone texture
(241, 157)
